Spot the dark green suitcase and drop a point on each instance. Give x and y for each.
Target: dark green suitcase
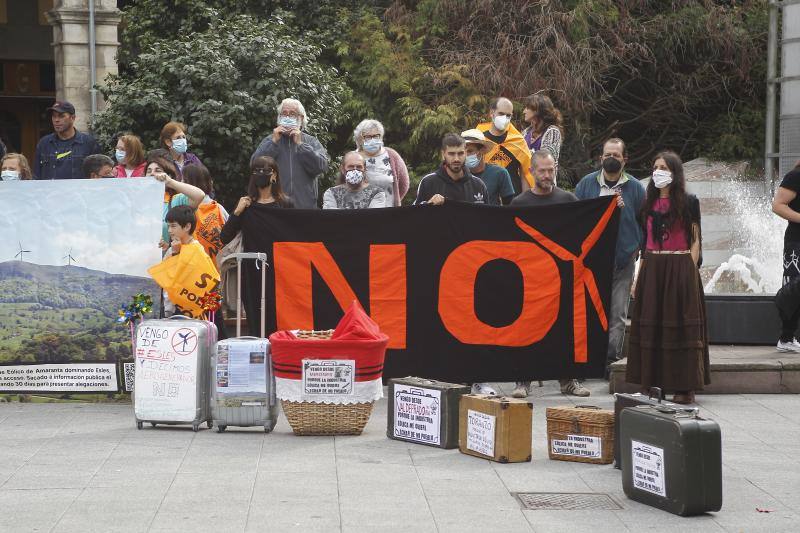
(424, 411)
(672, 459)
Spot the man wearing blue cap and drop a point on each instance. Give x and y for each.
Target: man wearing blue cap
(60, 155)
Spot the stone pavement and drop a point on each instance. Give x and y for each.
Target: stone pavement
(82, 468)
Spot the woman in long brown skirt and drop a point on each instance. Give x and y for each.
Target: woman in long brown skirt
(668, 340)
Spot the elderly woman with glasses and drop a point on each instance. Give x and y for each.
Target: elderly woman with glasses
(384, 166)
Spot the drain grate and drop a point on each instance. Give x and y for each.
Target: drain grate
(566, 501)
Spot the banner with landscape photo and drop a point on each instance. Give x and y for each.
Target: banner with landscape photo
(72, 253)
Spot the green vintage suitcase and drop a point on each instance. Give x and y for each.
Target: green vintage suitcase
(672, 459)
(424, 411)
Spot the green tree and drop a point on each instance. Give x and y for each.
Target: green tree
(225, 83)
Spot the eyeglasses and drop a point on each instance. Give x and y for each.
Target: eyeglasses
(293, 114)
(375, 137)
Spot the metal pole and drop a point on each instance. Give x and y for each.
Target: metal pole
(772, 53)
(92, 62)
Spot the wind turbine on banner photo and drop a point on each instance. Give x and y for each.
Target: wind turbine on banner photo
(69, 258)
(22, 252)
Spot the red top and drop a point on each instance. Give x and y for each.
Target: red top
(674, 237)
(138, 172)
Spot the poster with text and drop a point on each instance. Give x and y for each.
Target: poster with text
(72, 253)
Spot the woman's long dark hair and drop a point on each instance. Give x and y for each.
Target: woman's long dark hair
(543, 107)
(678, 201)
(271, 167)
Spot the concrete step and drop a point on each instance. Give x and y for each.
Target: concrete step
(736, 370)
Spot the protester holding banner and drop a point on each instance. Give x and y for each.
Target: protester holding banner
(453, 180)
(264, 192)
(612, 179)
(211, 216)
(669, 344)
(173, 138)
(510, 151)
(354, 190)
(301, 157)
(176, 192)
(545, 192)
(98, 166)
(496, 179)
(545, 125)
(14, 167)
(384, 166)
(129, 154)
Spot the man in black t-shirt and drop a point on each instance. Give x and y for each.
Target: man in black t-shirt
(545, 192)
(786, 204)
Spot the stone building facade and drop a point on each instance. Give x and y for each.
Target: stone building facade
(45, 56)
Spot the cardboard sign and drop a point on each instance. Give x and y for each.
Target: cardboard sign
(166, 373)
(480, 432)
(328, 377)
(417, 414)
(648, 468)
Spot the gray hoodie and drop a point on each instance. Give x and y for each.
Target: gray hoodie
(299, 165)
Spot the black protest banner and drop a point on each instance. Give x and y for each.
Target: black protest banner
(465, 292)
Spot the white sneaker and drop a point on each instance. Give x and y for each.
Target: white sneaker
(483, 388)
(521, 390)
(791, 346)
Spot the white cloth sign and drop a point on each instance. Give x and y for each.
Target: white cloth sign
(480, 432)
(648, 468)
(417, 414)
(166, 373)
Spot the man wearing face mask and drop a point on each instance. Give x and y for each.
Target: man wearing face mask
(301, 158)
(510, 152)
(612, 179)
(353, 191)
(496, 179)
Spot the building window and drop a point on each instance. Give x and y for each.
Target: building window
(44, 7)
(3, 12)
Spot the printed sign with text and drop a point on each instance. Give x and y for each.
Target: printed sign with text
(417, 414)
(328, 377)
(648, 468)
(578, 446)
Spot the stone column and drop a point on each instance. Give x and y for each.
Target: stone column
(70, 20)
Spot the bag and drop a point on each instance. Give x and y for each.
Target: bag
(226, 263)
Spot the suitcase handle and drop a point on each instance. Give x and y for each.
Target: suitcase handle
(655, 391)
(587, 407)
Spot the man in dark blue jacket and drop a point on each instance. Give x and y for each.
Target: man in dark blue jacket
(612, 179)
(60, 155)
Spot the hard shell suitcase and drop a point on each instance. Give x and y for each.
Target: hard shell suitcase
(495, 427)
(242, 382)
(424, 411)
(621, 401)
(171, 380)
(673, 459)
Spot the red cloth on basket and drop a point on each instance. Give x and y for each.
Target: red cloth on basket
(356, 337)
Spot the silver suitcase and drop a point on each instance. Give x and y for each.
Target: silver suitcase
(172, 357)
(242, 382)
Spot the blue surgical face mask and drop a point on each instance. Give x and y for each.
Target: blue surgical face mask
(472, 161)
(373, 146)
(120, 155)
(180, 146)
(287, 122)
(9, 175)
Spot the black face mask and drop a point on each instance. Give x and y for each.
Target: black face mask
(612, 165)
(261, 181)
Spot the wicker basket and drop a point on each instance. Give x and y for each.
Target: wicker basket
(578, 432)
(307, 418)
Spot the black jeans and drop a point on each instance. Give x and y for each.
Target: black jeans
(791, 271)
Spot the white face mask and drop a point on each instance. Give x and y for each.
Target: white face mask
(9, 175)
(501, 122)
(662, 178)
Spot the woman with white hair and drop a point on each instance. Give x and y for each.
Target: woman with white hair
(301, 157)
(385, 168)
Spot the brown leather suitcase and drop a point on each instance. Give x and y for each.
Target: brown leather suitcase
(495, 427)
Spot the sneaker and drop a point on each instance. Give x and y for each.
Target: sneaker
(483, 388)
(788, 346)
(521, 390)
(571, 386)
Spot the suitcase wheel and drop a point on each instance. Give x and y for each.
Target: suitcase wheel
(195, 427)
(139, 425)
(220, 429)
(267, 430)
(152, 424)
(210, 424)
